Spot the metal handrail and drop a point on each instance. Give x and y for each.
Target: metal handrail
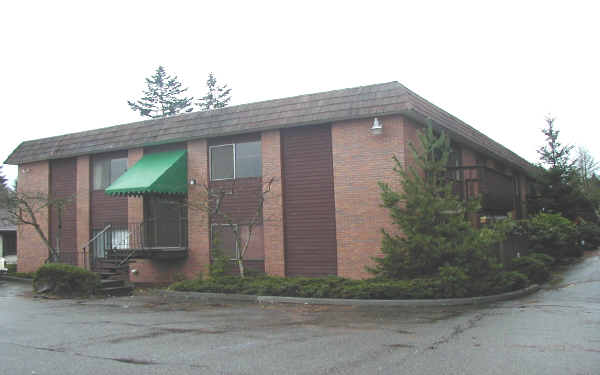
(84, 247)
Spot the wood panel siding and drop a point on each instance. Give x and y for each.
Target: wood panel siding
(309, 206)
(241, 199)
(105, 209)
(165, 147)
(63, 185)
(240, 203)
(240, 138)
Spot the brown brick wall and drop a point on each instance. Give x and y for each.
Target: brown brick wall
(273, 205)
(360, 160)
(34, 178)
(106, 209)
(83, 205)
(198, 233)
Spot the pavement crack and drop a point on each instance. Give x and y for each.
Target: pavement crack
(456, 331)
(133, 361)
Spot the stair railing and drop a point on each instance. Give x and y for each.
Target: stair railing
(86, 257)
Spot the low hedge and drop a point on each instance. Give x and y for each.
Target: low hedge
(337, 287)
(65, 280)
(535, 266)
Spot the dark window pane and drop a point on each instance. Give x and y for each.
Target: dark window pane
(248, 161)
(221, 162)
(117, 168)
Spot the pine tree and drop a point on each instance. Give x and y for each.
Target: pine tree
(4, 190)
(434, 222)
(217, 96)
(559, 188)
(554, 154)
(162, 97)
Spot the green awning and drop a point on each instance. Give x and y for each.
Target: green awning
(159, 173)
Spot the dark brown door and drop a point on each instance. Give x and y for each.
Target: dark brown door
(309, 206)
(63, 218)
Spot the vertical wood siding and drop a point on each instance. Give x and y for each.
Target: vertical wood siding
(309, 206)
(105, 209)
(241, 205)
(63, 180)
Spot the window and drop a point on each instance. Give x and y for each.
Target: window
(238, 160)
(111, 239)
(106, 171)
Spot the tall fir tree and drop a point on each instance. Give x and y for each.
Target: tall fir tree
(559, 189)
(163, 96)
(553, 153)
(434, 222)
(217, 96)
(4, 189)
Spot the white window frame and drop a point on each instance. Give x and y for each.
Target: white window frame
(237, 250)
(234, 147)
(210, 161)
(109, 159)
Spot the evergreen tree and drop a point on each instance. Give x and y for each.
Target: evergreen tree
(434, 222)
(217, 96)
(163, 96)
(554, 154)
(4, 190)
(559, 188)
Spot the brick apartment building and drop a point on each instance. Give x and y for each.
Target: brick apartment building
(324, 152)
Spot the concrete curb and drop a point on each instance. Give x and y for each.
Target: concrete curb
(14, 278)
(414, 303)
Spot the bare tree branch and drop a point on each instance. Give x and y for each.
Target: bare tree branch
(25, 208)
(211, 201)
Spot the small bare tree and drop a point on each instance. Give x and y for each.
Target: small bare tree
(25, 208)
(212, 202)
(587, 167)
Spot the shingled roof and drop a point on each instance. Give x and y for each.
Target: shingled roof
(352, 103)
(5, 223)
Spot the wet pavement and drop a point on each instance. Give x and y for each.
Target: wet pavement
(555, 331)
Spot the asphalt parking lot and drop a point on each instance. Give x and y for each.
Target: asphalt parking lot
(555, 331)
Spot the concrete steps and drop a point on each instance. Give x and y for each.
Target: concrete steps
(114, 277)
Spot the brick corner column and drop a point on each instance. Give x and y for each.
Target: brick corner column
(198, 258)
(82, 204)
(34, 178)
(360, 160)
(274, 245)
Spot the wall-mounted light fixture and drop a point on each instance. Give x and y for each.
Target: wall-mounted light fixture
(377, 127)
(193, 181)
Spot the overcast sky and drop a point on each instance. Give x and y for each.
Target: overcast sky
(501, 67)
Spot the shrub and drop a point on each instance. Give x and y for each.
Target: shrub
(535, 266)
(553, 235)
(588, 235)
(454, 283)
(12, 268)
(65, 280)
(505, 281)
